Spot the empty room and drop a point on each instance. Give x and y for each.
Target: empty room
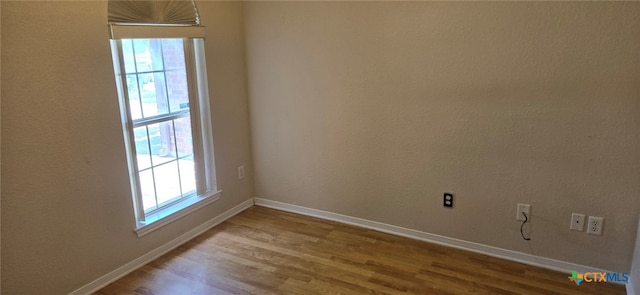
(319, 147)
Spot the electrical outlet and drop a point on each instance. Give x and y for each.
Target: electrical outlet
(577, 222)
(447, 200)
(240, 172)
(594, 227)
(526, 208)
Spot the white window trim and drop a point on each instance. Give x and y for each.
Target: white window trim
(174, 212)
(202, 141)
(132, 31)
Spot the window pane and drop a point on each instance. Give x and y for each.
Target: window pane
(184, 143)
(153, 94)
(173, 53)
(187, 176)
(154, 50)
(148, 55)
(127, 51)
(142, 148)
(162, 138)
(176, 77)
(148, 192)
(134, 96)
(178, 90)
(167, 182)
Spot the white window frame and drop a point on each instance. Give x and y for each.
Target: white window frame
(204, 163)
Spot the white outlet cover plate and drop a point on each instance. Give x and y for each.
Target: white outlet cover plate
(526, 208)
(577, 222)
(594, 226)
(240, 172)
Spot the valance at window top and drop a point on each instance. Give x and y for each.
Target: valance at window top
(172, 12)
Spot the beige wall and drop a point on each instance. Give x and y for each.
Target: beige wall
(365, 109)
(67, 216)
(634, 277)
(375, 109)
(0, 151)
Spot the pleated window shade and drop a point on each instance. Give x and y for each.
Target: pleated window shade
(174, 12)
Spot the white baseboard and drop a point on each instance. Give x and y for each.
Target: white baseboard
(155, 253)
(630, 289)
(538, 261)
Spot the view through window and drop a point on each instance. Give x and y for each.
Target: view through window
(156, 83)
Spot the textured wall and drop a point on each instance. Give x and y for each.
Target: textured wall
(67, 216)
(0, 150)
(374, 109)
(635, 267)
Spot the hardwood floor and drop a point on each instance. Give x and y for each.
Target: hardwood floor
(266, 251)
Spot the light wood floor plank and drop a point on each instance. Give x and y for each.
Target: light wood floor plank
(266, 251)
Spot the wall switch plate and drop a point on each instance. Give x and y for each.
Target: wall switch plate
(594, 226)
(447, 200)
(526, 208)
(240, 172)
(577, 222)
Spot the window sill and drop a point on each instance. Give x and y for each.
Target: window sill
(174, 212)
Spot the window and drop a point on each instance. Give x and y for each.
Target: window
(163, 99)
